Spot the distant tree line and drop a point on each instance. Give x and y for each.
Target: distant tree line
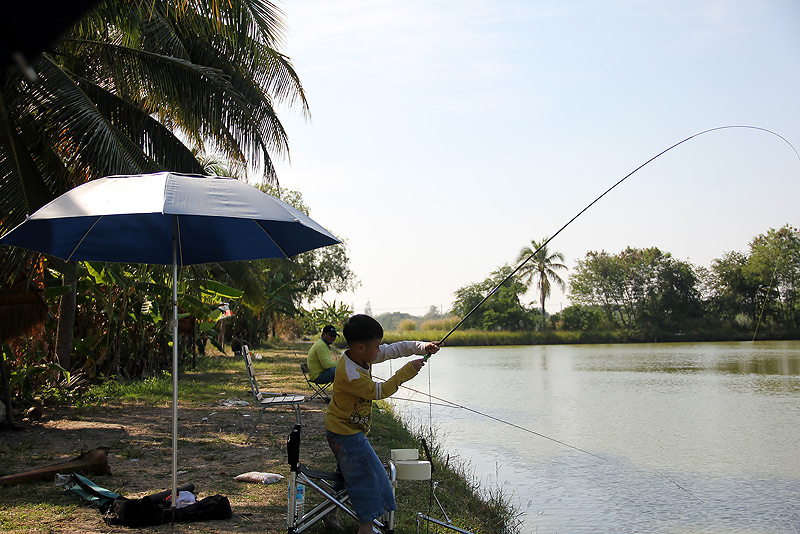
(392, 321)
(649, 294)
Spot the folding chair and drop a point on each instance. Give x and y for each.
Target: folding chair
(268, 399)
(330, 485)
(318, 389)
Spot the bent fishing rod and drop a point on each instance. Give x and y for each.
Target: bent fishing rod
(533, 254)
(592, 203)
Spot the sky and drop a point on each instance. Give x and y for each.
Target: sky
(445, 135)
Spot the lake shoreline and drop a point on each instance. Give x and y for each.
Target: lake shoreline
(475, 338)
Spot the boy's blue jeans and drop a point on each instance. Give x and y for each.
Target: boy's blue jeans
(364, 475)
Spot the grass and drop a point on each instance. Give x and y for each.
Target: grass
(467, 504)
(194, 385)
(39, 508)
(34, 517)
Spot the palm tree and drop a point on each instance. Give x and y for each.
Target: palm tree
(541, 269)
(132, 84)
(135, 87)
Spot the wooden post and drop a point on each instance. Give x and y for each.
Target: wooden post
(194, 343)
(6, 386)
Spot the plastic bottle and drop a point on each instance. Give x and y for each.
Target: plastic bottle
(300, 500)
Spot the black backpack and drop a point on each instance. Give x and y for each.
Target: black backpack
(151, 510)
(147, 511)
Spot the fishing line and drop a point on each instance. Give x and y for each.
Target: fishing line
(451, 404)
(607, 191)
(406, 399)
(427, 452)
(766, 298)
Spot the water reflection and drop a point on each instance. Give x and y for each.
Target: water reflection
(627, 498)
(761, 357)
(721, 420)
(780, 365)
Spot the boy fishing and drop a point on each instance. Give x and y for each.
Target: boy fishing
(349, 413)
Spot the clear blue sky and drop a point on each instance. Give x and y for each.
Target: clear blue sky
(445, 135)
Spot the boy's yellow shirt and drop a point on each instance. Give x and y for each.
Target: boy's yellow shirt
(350, 409)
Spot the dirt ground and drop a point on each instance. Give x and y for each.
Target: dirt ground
(212, 450)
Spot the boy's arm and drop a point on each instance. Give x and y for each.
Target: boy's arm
(366, 388)
(401, 349)
(404, 374)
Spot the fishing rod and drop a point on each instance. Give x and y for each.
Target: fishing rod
(592, 203)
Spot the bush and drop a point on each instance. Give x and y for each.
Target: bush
(445, 323)
(408, 325)
(579, 317)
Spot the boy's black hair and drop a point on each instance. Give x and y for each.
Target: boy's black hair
(360, 328)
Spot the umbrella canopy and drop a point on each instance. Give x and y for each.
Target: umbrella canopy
(168, 218)
(30, 27)
(130, 219)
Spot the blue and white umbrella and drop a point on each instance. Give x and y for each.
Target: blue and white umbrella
(168, 219)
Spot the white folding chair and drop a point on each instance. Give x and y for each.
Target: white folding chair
(266, 400)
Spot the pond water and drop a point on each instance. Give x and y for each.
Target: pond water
(683, 437)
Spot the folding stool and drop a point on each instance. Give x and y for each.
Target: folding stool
(330, 485)
(319, 389)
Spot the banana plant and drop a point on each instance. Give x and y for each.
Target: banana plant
(124, 315)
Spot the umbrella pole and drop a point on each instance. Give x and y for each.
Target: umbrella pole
(174, 363)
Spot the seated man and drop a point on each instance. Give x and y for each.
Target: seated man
(321, 367)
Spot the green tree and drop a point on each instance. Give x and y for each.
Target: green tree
(761, 285)
(275, 289)
(315, 319)
(541, 269)
(672, 302)
(319, 270)
(390, 321)
(777, 253)
(599, 279)
(433, 313)
(733, 288)
(503, 310)
(580, 317)
(641, 289)
(124, 311)
(112, 97)
(271, 291)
